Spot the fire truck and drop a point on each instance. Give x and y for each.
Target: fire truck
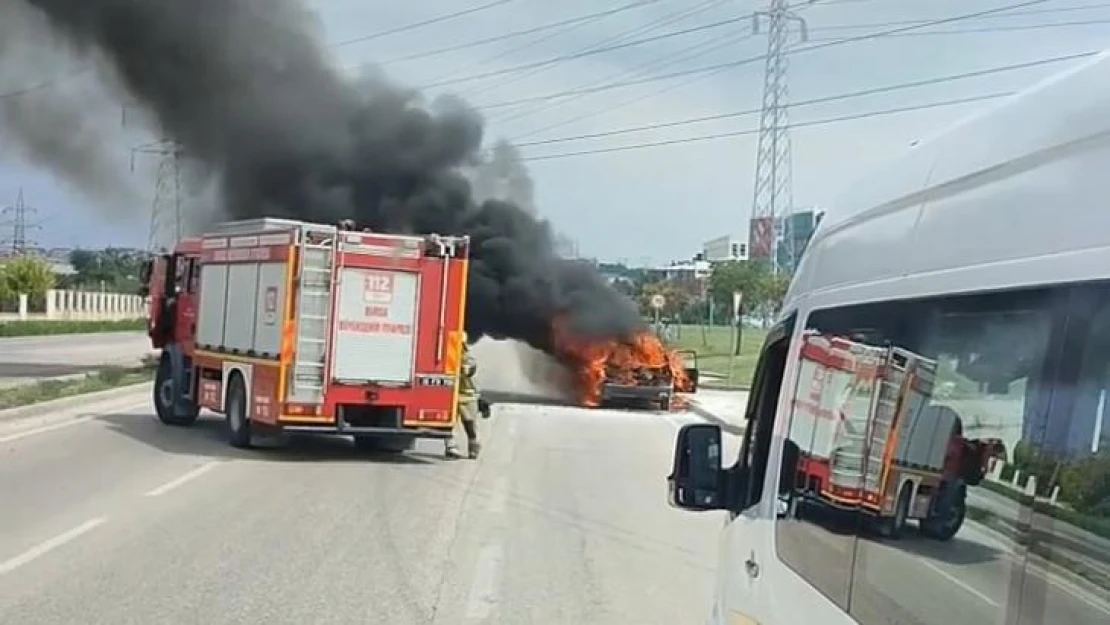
(870, 440)
(286, 326)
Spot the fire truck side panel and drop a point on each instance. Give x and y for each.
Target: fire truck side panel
(242, 302)
(269, 313)
(376, 326)
(212, 305)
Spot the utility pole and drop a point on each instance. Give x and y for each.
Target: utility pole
(166, 214)
(16, 217)
(773, 192)
(166, 217)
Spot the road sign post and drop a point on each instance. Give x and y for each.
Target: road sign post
(657, 304)
(737, 323)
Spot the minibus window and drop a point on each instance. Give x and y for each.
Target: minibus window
(762, 404)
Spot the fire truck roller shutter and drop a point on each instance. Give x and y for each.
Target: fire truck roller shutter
(376, 325)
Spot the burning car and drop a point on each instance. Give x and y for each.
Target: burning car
(642, 383)
(640, 370)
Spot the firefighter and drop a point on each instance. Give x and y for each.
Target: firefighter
(468, 406)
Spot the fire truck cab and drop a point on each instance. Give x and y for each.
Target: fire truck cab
(287, 326)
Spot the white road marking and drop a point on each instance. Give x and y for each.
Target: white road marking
(47, 546)
(482, 600)
(499, 500)
(20, 428)
(182, 479)
(46, 428)
(960, 583)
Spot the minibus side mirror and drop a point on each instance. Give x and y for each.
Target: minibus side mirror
(697, 481)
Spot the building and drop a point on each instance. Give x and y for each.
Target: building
(793, 233)
(684, 270)
(725, 249)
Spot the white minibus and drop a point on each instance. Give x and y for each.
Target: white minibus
(926, 439)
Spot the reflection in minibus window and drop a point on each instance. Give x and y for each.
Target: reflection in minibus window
(1067, 470)
(960, 414)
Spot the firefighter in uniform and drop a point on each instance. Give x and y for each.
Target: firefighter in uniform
(468, 406)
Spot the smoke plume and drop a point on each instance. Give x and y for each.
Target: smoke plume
(247, 88)
(58, 126)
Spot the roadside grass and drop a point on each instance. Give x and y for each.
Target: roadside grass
(42, 327)
(102, 380)
(714, 346)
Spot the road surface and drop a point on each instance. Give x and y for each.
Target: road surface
(26, 359)
(109, 517)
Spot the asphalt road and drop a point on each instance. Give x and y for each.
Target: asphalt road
(109, 517)
(25, 359)
(976, 578)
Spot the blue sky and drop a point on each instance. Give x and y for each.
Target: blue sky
(650, 205)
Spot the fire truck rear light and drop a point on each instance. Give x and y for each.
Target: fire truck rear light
(302, 409)
(440, 416)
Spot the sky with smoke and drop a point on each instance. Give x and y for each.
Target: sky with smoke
(676, 196)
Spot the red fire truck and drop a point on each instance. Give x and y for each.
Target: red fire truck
(289, 326)
(870, 439)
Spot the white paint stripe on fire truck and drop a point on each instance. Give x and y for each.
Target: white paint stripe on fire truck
(182, 479)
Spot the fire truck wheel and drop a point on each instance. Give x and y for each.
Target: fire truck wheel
(945, 525)
(238, 424)
(170, 407)
(892, 527)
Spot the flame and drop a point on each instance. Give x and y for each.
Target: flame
(642, 359)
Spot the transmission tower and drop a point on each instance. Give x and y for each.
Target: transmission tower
(773, 192)
(166, 216)
(16, 218)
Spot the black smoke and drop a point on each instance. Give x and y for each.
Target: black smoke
(246, 87)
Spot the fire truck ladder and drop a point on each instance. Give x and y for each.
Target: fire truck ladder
(886, 411)
(314, 278)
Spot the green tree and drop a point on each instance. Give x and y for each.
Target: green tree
(112, 269)
(25, 276)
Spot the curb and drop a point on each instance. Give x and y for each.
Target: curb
(724, 424)
(46, 407)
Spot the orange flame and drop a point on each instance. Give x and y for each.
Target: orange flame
(643, 359)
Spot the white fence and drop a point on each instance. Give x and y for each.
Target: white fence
(81, 305)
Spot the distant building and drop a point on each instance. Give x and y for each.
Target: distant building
(684, 270)
(725, 249)
(793, 233)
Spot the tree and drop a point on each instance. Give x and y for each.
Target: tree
(25, 276)
(763, 290)
(112, 269)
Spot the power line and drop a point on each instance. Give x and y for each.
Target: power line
(685, 54)
(754, 131)
(585, 53)
(609, 108)
(535, 42)
(812, 101)
(516, 33)
(421, 24)
(757, 58)
(46, 84)
(617, 42)
(1052, 11)
(995, 29)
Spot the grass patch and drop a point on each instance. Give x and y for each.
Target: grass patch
(714, 346)
(46, 390)
(68, 326)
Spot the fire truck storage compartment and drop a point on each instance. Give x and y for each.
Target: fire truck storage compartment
(241, 307)
(375, 326)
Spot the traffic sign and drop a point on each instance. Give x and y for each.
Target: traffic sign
(658, 301)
